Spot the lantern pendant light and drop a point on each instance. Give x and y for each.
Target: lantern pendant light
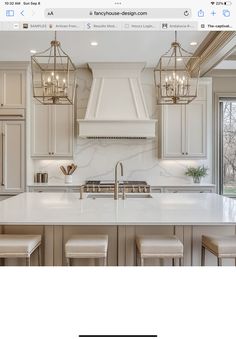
(53, 76)
(172, 75)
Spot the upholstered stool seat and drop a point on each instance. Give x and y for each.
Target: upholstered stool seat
(19, 246)
(159, 246)
(87, 246)
(220, 246)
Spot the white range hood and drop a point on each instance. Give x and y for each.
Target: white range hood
(116, 107)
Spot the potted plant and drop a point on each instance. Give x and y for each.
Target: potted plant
(197, 173)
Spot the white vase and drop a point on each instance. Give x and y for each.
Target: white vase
(68, 179)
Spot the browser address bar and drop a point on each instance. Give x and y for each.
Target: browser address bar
(121, 13)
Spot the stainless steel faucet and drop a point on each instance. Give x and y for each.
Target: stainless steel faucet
(116, 187)
(81, 190)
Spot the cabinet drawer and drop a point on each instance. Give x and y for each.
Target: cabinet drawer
(15, 113)
(48, 189)
(186, 190)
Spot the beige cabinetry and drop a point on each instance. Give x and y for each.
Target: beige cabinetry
(12, 157)
(12, 92)
(52, 131)
(184, 127)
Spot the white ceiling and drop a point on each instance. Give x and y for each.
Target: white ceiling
(112, 46)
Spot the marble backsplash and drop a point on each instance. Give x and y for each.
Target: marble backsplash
(96, 158)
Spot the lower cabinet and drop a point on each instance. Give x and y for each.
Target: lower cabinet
(12, 157)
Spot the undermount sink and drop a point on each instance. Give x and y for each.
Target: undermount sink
(111, 195)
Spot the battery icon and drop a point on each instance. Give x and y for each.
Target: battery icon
(227, 3)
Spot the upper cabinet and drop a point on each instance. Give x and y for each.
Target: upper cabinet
(184, 127)
(12, 93)
(52, 131)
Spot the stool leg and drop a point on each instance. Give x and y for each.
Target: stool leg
(219, 261)
(105, 261)
(68, 261)
(180, 261)
(39, 256)
(141, 261)
(28, 261)
(173, 261)
(203, 256)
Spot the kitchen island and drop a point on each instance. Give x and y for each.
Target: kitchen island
(59, 215)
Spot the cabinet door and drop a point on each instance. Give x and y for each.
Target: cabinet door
(13, 156)
(173, 131)
(13, 89)
(41, 131)
(62, 130)
(196, 129)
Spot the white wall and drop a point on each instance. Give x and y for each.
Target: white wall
(96, 158)
(224, 84)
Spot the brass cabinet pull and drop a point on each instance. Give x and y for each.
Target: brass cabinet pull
(2, 183)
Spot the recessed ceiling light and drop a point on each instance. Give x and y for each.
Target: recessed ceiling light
(179, 59)
(33, 51)
(193, 43)
(94, 43)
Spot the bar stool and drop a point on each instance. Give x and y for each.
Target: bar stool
(220, 246)
(159, 246)
(20, 246)
(87, 246)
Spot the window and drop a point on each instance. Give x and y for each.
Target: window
(228, 146)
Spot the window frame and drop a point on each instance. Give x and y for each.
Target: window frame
(218, 142)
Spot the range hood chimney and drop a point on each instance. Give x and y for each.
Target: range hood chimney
(116, 107)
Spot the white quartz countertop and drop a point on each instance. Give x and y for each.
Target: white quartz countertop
(162, 209)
